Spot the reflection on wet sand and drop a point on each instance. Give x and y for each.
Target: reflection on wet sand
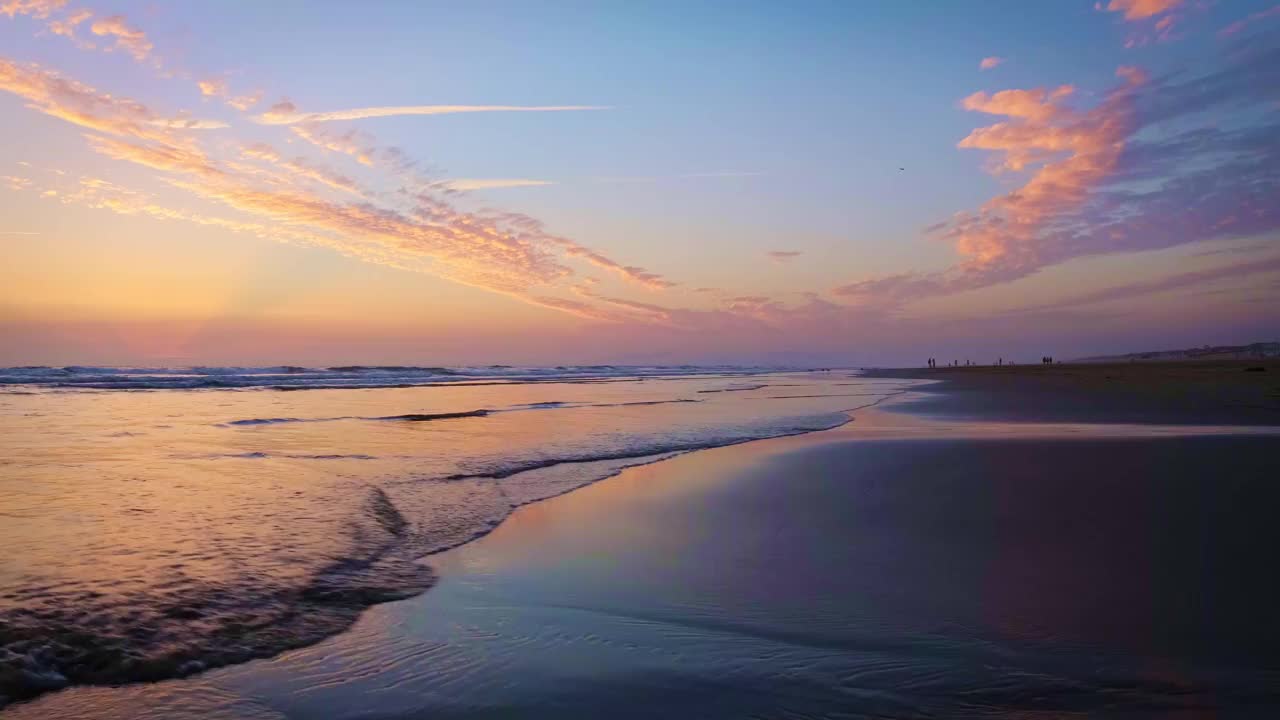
(898, 566)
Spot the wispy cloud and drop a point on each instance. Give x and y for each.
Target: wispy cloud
(728, 174)
(286, 113)
(352, 142)
(39, 9)
(67, 26)
(1140, 9)
(465, 184)
(783, 255)
(1241, 24)
(1171, 283)
(219, 88)
(127, 37)
(75, 102)
(1158, 17)
(291, 200)
(989, 63)
(17, 232)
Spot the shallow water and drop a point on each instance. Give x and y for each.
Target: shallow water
(156, 533)
(1026, 574)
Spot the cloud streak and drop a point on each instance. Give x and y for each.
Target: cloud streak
(465, 184)
(286, 113)
(1171, 283)
(1239, 25)
(291, 200)
(989, 63)
(52, 94)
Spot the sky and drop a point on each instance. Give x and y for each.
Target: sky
(814, 183)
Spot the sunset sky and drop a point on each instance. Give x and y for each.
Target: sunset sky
(584, 182)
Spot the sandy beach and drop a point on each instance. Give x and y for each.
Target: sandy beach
(718, 360)
(909, 564)
(1235, 392)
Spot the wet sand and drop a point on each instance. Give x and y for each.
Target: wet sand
(902, 566)
(1237, 392)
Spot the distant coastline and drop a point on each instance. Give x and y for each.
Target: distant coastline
(1220, 391)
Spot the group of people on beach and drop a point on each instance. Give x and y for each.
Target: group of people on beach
(933, 363)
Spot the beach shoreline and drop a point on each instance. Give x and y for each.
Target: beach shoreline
(1227, 392)
(909, 420)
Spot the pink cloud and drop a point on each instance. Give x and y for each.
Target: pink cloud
(127, 37)
(39, 9)
(219, 88)
(212, 87)
(783, 255)
(1142, 9)
(285, 113)
(989, 63)
(67, 27)
(1097, 184)
(354, 143)
(74, 102)
(1147, 14)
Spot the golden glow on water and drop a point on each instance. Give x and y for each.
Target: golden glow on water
(683, 567)
(176, 524)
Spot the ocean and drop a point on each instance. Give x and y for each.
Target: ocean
(159, 522)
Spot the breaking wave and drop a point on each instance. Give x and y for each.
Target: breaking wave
(278, 565)
(348, 377)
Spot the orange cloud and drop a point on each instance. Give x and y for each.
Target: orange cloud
(990, 62)
(67, 28)
(352, 142)
(169, 158)
(39, 9)
(127, 37)
(302, 168)
(638, 275)
(1142, 9)
(504, 253)
(244, 102)
(217, 87)
(1071, 153)
(54, 95)
(213, 87)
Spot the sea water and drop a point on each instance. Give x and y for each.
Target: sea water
(158, 522)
